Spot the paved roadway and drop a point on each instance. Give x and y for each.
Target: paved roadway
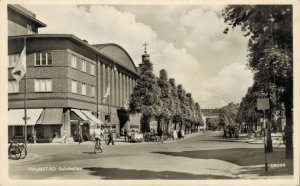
(171, 160)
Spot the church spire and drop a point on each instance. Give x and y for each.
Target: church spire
(145, 45)
(145, 56)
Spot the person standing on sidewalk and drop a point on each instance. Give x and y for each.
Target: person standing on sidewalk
(110, 137)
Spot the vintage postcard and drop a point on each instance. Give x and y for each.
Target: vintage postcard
(149, 92)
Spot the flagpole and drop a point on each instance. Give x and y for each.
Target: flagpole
(25, 99)
(97, 86)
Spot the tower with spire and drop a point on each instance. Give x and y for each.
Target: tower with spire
(145, 56)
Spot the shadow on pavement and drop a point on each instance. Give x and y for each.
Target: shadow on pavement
(89, 152)
(132, 174)
(244, 157)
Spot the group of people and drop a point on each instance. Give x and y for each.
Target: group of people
(231, 131)
(99, 135)
(178, 134)
(126, 134)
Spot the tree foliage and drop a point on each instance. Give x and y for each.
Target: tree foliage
(270, 46)
(165, 96)
(248, 112)
(145, 98)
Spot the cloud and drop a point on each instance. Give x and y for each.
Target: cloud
(207, 42)
(204, 60)
(229, 85)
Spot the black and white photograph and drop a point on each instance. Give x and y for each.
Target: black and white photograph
(149, 91)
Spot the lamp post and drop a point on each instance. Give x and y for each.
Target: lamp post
(264, 104)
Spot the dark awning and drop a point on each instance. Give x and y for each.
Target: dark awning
(51, 116)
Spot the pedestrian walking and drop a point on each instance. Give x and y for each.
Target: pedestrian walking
(125, 134)
(182, 133)
(33, 135)
(161, 135)
(79, 135)
(179, 134)
(64, 138)
(175, 136)
(110, 137)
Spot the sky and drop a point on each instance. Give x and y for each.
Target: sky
(187, 41)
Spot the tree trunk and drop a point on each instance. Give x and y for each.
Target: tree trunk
(145, 123)
(288, 103)
(158, 124)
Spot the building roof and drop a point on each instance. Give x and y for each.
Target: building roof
(113, 52)
(26, 13)
(117, 53)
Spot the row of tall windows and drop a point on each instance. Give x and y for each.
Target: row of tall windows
(82, 64)
(40, 85)
(46, 85)
(74, 88)
(40, 59)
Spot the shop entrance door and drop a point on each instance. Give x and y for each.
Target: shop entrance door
(86, 132)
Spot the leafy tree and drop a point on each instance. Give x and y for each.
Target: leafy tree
(164, 116)
(145, 98)
(192, 111)
(199, 115)
(224, 118)
(248, 112)
(176, 111)
(183, 105)
(270, 52)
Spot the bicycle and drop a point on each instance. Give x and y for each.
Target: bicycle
(150, 137)
(98, 147)
(17, 150)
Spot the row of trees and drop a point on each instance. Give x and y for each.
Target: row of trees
(227, 115)
(270, 46)
(158, 98)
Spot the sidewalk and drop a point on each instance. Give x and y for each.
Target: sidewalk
(276, 140)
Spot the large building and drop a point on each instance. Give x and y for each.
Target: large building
(66, 81)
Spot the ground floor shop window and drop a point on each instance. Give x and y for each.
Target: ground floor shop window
(18, 131)
(56, 130)
(74, 129)
(39, 131)
(114, 127)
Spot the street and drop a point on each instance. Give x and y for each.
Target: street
(203, 155)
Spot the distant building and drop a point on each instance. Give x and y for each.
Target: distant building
(22, 21)
(67, 79)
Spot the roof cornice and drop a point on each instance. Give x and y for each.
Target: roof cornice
(39, 23)
(76, 40)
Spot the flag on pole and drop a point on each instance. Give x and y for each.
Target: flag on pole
(20, 69)
(106, 94)
(126, 104)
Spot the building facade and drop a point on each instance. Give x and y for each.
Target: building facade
(67, 80)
